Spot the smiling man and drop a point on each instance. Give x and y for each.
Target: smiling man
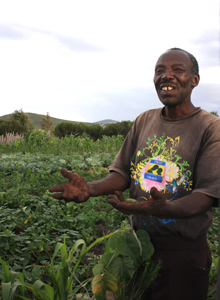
(170, 162)
(175, 77)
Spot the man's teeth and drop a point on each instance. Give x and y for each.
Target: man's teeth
(165, 88)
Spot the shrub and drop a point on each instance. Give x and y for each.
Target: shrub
(119, 128)
(65, 128)
(11, 126)
(77, 129)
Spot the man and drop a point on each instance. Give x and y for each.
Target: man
(170, 161)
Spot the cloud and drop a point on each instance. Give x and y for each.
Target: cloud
(206, 96)
(77, 45)
(20, 32)
(12, 32)
(207, 44)
(122, 105)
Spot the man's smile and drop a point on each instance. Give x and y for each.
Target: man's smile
(167, 88)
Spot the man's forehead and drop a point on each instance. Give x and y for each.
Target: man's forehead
(174, 57)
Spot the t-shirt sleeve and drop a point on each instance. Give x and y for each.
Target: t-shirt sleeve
(122, 161)
(207, 165)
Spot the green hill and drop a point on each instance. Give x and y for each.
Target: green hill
(36, 120)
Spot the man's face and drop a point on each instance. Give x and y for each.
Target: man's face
(173, 78)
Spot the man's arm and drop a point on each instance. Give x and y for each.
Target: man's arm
(108, 185)
(77, 189)
(186, 207)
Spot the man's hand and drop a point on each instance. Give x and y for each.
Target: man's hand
(152, 206)
(76, 189)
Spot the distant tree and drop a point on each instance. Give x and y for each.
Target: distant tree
(47, 123)
(121, 128)
(77, 129)
(124, 127)
(214, 113)
(23, 119)
(18, 122)
(94, 131)
(65, 129)
(111, 129)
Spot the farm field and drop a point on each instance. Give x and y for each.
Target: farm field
(32, 223)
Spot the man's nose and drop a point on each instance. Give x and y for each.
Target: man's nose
(167, 74)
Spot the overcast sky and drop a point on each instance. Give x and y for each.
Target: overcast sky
(89, 60)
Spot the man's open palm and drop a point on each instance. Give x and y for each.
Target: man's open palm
(76, 189)
(153, 205)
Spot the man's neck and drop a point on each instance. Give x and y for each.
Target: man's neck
(177, 112)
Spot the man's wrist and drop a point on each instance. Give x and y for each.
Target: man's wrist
(92, 188)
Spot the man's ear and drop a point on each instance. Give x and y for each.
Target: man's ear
(195, 80)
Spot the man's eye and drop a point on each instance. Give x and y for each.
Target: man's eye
(158, 71)
(178, 70)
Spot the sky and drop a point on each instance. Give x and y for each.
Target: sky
(90, 60)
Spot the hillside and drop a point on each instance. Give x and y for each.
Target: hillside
(107, 121)
(36, 120)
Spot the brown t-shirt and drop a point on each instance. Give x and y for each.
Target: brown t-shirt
(178, 157)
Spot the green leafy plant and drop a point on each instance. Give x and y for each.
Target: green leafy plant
(62, 280)
(127, 256)
(9, 278)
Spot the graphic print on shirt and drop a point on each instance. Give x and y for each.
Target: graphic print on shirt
(159, 165)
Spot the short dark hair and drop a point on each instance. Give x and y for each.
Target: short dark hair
(194, 62)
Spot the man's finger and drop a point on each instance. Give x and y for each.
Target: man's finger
(58, 196)
(57, 188)
(120, 206)
(120, 196)
(113, 200)
(155, 194)
(66, 174)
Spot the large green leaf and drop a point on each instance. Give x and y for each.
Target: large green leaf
(112, 241)
(147, 247)
(6, 288)
(64, 255)
(97, 269)
(49, 291)
(21, 279)
(107, 258)
(37, 286)
(102, 283)
(128, 246)
(62, 278)
(44, 294)
(122, 268)
(57, 248)
(63, 273)
(7, 273)
(75, 246)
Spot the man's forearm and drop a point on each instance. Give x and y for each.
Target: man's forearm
(189, 206)
(108, 185)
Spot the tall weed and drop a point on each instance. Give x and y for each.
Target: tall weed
(38, 141)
